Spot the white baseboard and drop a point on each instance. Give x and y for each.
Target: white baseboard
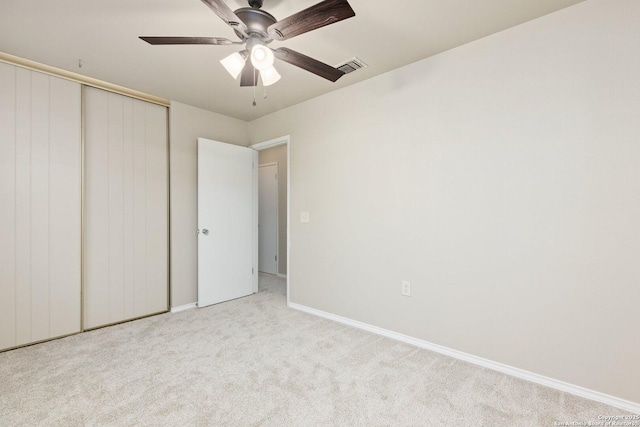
(486, 363)
(184, 307)
(283, 276)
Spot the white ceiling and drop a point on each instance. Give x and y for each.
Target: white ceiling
(104, 35)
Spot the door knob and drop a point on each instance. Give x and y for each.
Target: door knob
(205, 231)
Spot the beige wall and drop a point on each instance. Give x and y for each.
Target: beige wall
(186, 125)
(501, 178)
(279, 155)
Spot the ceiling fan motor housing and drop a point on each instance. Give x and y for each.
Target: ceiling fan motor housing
(257, 4)
(256, 20)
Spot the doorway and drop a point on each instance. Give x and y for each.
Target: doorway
(278, 151)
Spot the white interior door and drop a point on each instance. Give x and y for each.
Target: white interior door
(268, 218)
(227, 222)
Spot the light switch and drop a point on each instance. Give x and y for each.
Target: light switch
(304, 217)
(406, 288)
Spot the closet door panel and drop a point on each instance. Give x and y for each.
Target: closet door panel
(96, 240)
(65, 231)
(139, 209)
(135, 240)
(7, 206)
(128, 224)
(40, 201)
(40, 129)
(157, 212)
(115, 213)
(23, 206)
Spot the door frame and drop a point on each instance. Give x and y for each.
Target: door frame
(277, 212)
(286, 139)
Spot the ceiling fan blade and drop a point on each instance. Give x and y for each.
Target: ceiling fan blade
(307, 63)
(221, 9)
(186, 40)
(323, 13)
(249, 76)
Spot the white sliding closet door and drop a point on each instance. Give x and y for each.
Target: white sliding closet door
(40, 206)
(126, 213)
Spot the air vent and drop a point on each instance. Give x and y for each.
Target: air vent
(351, 65)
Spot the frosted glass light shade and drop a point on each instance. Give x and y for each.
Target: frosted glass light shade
(261, 57)
(269, 76)
(234, 64)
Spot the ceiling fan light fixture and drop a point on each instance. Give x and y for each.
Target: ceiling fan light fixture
(234, 64)
(269, 76)
(262, 57)
(257, 28)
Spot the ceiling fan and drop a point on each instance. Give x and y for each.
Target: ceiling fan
(257, 28)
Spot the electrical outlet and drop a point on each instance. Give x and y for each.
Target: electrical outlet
(304, 217)
(406, 288)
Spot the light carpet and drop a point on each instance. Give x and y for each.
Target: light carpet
(254, 361)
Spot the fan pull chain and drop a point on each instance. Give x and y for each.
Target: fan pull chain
(255, 82)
